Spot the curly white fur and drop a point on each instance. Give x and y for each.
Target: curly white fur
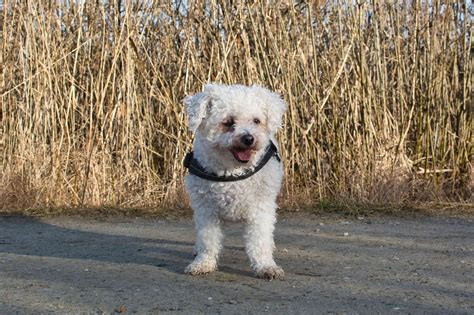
(221, 117)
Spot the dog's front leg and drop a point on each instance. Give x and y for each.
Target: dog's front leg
(208, 244)
(259, 245)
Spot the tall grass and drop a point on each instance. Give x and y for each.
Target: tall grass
(379, 94)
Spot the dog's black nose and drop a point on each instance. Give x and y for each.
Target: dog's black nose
(247, 140)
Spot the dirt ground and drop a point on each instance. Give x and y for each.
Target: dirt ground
(333, 264)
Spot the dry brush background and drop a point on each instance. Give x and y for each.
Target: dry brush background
(379, 94)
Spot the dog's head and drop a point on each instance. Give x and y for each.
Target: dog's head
(234, 120)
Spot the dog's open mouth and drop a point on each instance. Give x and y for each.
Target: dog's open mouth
(242, 155)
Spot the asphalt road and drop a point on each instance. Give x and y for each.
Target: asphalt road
(333, 265)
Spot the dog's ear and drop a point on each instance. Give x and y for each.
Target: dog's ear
(196, 107)
(275, 107)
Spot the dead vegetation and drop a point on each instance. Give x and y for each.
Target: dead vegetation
(379, 94)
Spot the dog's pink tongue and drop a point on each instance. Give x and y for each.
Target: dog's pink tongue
(243, 156)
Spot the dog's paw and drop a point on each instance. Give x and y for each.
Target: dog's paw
(200, 268)
(270, 272)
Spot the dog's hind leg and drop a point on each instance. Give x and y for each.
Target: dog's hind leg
(208, 244)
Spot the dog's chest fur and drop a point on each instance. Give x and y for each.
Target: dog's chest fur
(236, 200)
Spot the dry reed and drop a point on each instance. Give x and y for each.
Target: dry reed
(379, 94)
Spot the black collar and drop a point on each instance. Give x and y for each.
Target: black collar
(196, 169)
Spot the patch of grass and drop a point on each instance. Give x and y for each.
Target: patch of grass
(321, 207)
(97, 212)
(379, 95)
(356, 209)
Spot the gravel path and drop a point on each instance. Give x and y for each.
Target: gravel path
(333, 264)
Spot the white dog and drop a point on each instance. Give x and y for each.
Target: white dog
(236, 171)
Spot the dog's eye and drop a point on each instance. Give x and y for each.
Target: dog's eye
(256, 121)
(229, 123)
